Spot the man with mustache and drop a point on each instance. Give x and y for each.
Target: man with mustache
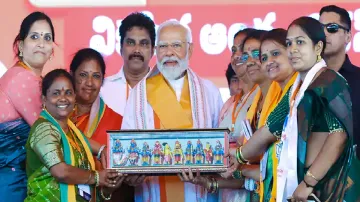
(337, 26)
(172, 97)
(137, 33)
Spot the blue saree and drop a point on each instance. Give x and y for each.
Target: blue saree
(13, 137)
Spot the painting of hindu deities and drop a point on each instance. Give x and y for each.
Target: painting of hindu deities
(167, 151)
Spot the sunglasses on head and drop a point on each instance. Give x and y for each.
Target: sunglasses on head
(255, 54)
(333, 27)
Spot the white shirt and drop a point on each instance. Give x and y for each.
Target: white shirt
(114, 92)
(177, 85)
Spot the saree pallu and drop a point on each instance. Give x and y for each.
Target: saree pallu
(103, 118)
(13, 136)
(275, 121)
(326, 107)
(45, 148)
(353, 180)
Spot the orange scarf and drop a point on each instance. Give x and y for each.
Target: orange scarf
(271, 97)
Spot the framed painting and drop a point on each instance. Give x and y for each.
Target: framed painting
(167, 151)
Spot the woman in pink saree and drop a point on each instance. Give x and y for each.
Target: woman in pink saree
(20, 101)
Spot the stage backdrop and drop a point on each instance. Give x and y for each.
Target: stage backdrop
(95, 24)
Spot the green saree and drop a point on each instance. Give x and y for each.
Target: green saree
(44, 150)
(326, 107)
(275, 124)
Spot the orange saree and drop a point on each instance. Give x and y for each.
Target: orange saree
(102, 119)
(109, 121)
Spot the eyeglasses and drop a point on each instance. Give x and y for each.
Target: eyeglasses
(254, 54)
(333, 27)
(177, 46)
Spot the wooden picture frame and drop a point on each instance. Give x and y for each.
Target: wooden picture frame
(167, 151)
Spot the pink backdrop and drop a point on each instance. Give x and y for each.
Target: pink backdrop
(213, 23)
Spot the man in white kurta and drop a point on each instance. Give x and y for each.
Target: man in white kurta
(172, 97)
(137, 33)
(116, 101)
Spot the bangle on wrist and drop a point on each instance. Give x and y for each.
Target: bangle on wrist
(210, 187)
(97, 180)
(239, 156)
(90, 175)
(216, 185)
(308, 185)
(100, 151)
(103, 196)
(237, 174)
(308, 173)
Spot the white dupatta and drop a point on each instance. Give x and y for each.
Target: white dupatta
(287, 179)
(142, 118)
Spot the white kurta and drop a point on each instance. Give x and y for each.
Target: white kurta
(206, 103)
(114, 91)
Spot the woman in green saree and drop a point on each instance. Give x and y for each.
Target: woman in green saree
(316, 143)
(60, 164)
(320, 133)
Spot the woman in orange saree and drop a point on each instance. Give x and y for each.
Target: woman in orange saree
(91, 115)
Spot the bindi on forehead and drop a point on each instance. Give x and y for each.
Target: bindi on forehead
(41, 33)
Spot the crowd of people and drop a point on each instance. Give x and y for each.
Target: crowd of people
(295, 88)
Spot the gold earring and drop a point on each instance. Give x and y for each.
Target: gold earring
(20, 54)
(318, 58)
(43, 106)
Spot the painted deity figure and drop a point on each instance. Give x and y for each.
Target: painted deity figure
(178, 154)
(133, 153)
(146, 154)
(219, 153)
(157, 153)
(199, 153)
(209, 153)
(167, 154)
(189, 153)
(118, 152)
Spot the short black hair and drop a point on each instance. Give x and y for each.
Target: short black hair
(87, 54)
(137, 20)
(344, 15)
(26, 26)
(50, 77)
(313, 29)
(230, 73)
(245, 31)
(257, 34)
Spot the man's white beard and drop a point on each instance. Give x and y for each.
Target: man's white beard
(173, 72)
